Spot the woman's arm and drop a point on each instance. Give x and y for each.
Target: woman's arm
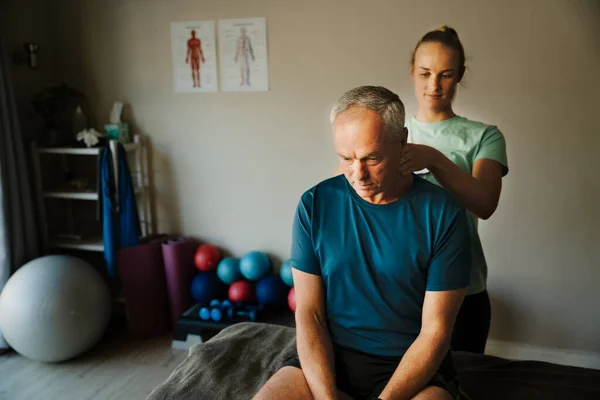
(479, 193)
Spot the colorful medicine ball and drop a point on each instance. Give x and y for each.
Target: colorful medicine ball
(207, 258)
(228, 270)
(292, 299)
(242, 291)
(207, 286)
(255, 265)
(272, 292)
(286, 273)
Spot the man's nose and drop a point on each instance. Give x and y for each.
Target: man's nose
(360, 170)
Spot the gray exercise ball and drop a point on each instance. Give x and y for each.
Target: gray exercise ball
(54, 308)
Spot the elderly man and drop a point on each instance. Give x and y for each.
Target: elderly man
(380, 266)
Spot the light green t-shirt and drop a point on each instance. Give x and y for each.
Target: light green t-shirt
(463, 141)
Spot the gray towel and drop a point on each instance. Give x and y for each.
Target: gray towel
(234, 364)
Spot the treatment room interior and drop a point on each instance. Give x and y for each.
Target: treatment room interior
(228, 167)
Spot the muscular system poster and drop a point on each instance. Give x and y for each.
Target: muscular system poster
(194, 54)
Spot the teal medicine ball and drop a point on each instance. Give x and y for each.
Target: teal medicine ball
(286, 273)
(228, 270)
(255, 265)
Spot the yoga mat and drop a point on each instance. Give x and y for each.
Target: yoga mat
(178, 257)
(146, 299)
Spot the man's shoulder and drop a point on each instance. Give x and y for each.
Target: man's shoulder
(334, 183)
(435, 196)
(325, 188)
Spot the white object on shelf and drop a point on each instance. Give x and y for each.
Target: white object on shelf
(94, 151)
(75, 194)
(139, 176)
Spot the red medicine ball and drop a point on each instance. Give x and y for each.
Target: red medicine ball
(242, 291)
(207, 258)
(292, 299)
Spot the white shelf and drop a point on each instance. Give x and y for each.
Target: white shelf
(93, 151)
(79, 194)
(55, 190)
(71, 194)
(90, 244)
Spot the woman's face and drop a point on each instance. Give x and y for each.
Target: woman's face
(435, 72)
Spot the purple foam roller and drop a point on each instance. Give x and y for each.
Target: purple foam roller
(146, 300)
(178, 256)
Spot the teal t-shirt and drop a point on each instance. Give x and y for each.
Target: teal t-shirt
(377, 261)
(463, 141)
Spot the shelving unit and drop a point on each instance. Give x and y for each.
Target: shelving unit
(69, 195)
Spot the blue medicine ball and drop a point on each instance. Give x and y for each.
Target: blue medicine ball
(286, 273)
(272, 292)
(207, 286)
(255, 265)
(228, 270)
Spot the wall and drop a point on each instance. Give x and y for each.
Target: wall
(230, 167)
(27, 21)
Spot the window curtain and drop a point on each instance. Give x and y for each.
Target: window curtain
(20, 238)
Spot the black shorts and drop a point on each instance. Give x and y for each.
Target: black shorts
(364, 376)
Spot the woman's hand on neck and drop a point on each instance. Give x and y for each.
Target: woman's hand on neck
(429, 115)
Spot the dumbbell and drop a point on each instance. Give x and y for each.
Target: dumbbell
(219, 313)
(217, 303)
(250, 313)
(238, 307)
(206, 313)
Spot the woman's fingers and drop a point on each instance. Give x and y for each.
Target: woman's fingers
(407, 168)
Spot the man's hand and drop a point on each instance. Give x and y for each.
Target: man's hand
(416, 157)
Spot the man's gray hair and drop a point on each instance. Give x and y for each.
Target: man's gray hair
(376, 98)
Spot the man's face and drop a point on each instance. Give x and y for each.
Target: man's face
(369, 158)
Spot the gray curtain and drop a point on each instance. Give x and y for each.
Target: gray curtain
(20, 239)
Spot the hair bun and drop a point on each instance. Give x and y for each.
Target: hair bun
(448, 30)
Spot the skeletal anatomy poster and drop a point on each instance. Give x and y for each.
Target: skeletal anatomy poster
(194, 53)
(243, 55)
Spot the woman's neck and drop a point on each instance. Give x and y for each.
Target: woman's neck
(429, 115)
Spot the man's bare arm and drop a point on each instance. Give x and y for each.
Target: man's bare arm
(315, 349)
(425, 355)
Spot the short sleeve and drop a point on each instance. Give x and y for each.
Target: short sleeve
(450, 266)
(493, 146)
(303, 255)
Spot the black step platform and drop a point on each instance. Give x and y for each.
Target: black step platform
(190, 329)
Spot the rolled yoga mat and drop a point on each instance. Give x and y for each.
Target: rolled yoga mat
(146, 299)
(178, 256)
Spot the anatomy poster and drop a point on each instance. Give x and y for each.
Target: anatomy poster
(194, 55)
(243, 54)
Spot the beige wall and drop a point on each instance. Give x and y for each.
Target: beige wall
(230, 167)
